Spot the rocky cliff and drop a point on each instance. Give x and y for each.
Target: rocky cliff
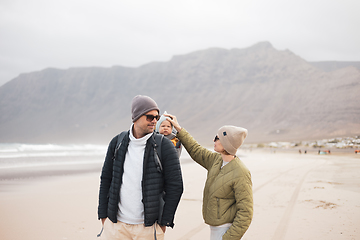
(276, 95)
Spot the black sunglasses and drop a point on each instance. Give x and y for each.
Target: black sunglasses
(150, 118)
(216, 138)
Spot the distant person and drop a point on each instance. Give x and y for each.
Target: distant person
(133, 183)
(305, 151)
(165, 127)
(227, 196)
(300, 151)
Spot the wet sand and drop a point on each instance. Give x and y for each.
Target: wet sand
(296, 196)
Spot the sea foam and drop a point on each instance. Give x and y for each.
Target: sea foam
(18, 150)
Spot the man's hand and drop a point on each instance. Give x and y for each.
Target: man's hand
(163, 228)
(103, 220)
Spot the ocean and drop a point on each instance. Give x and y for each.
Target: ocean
(20, 155)
(18, 161)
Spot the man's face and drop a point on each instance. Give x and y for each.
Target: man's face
(144, 125)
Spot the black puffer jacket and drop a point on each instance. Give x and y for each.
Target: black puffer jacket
(153, 184)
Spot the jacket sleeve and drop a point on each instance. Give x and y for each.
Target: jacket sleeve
(244, 205)
(173, 183)
(105, 179)
(199, 154)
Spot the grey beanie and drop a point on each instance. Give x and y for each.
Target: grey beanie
(141, 105)
(232, 138)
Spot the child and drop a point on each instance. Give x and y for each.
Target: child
(164, 127)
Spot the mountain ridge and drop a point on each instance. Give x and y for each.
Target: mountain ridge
(277, 95)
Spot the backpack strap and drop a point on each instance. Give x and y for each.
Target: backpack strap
(157, 151)
(118, 143)
(157, 156)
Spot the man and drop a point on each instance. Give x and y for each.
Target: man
(133, 183)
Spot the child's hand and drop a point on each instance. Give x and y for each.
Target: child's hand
(173, 120)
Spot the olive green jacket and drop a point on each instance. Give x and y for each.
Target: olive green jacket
(228, 191)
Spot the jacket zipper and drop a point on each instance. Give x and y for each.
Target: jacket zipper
(218, 208)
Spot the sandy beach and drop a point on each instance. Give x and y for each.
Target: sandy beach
(296, 196)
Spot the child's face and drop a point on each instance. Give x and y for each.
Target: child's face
(165, 127)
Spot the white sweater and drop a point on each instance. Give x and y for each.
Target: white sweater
(131, 208)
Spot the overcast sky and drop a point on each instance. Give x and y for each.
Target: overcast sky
(37, 34)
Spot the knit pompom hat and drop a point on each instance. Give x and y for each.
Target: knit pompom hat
(232, 137)
(141, 105)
